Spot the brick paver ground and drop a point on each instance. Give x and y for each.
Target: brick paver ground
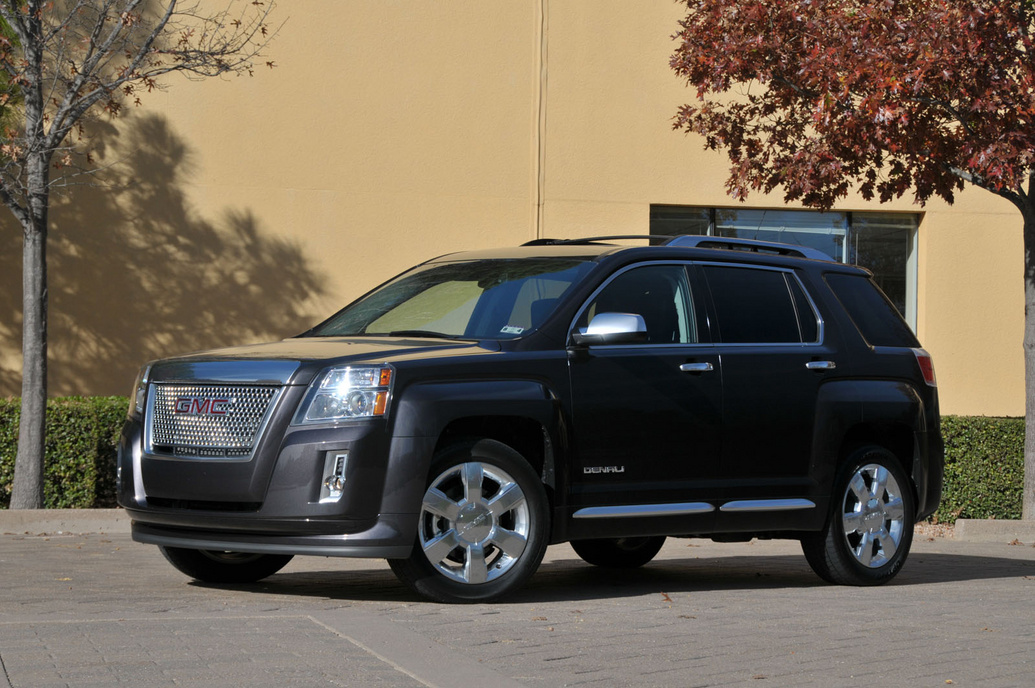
(100, 610)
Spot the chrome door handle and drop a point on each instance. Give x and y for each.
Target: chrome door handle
(820, 365)
(697, 367)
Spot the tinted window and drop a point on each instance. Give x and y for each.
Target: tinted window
(659, 293)
(753, 306)
(807, 321)
(873, 314)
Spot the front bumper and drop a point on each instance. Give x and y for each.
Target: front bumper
(389, 537)
(272, 502)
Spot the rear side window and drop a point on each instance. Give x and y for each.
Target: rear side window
(873, 314)
(755, 306)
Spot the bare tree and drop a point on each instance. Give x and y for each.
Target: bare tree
(60, 63)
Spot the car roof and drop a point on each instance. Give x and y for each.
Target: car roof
(685, 247)
(574, 251)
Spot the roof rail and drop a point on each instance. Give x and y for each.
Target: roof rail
(594, 240)
(703, 241)
(696, 241)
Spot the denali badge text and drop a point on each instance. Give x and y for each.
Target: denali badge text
(603, 469)
(201, 406)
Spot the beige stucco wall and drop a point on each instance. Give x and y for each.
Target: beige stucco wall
(391, 132)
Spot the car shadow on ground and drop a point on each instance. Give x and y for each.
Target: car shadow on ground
(573, 580)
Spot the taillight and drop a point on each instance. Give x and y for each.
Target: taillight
(926, 366)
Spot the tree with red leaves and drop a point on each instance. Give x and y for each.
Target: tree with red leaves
(818, 97)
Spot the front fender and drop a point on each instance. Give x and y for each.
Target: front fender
(424, 410)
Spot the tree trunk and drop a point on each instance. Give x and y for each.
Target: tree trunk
(1028, 501)
(27, 491)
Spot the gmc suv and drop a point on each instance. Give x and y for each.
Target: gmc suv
(464, 415)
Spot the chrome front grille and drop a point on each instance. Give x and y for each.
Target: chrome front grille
(218, 421)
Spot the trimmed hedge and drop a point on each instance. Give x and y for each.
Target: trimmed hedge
(984, 468)
(82, 442)
(984, 458)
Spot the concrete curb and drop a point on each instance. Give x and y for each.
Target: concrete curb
(53, 521)
(993, 530)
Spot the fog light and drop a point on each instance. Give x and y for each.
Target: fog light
(333, 486)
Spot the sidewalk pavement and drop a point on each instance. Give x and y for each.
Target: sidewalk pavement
(100, 610)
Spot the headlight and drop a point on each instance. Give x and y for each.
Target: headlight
(138, 397)
(347, 393)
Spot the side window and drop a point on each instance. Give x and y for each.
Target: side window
(658, 293)
(807, 321)
(755, 306)
(873, 314)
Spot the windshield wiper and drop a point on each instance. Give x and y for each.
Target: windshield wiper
(423, 333)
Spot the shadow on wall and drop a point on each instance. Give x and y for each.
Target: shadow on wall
(136, 274)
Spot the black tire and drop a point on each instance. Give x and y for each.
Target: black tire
(211, 566)
(870, 526)
(619, 553)
(483, 526)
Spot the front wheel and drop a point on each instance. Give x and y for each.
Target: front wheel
(212, 566)
(619, 553)
(482, 529)
(870, 526)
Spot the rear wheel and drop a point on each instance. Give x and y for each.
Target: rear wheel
(870, 526)
(483, 526)
(212, 566)
(619, 553)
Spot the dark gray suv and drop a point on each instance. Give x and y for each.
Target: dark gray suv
(464, 415)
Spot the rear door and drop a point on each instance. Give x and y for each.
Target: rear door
(774, 353)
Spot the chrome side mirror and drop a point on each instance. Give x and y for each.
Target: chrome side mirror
(612, 328)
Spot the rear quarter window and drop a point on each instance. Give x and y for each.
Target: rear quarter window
(873, 314)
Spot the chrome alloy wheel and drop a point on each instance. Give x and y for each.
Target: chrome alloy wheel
(474, 522)
(873, 514)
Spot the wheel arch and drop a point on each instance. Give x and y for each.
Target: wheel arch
(527, 436)
(887, 413)
(523, 414)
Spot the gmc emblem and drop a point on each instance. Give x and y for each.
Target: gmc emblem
(201, 406)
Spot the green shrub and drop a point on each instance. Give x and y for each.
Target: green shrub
(9, 415)
(984, 458)
(82, 443)
(984, 468)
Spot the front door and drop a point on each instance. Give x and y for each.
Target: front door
(646, 416)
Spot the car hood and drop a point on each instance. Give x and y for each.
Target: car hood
(296, 361)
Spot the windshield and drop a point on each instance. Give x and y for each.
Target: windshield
(481, 299)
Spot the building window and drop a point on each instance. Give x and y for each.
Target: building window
(884, 243)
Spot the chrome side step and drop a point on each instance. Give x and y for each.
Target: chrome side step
(768, 505)
(638, 510)
(690, 508)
